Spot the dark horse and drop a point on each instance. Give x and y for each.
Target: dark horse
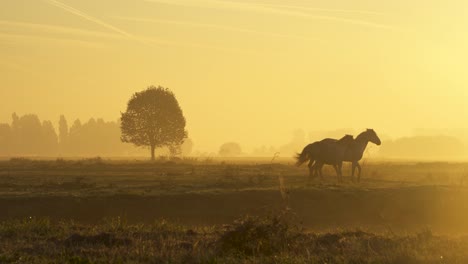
(353, 153)
(328, 151)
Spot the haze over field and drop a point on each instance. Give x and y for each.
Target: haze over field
(245, 71)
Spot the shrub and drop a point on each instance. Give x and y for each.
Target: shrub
(259, 235)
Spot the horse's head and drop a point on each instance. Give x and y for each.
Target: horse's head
(372, 137)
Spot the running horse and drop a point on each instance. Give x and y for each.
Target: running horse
(352, 154)
(327, 151)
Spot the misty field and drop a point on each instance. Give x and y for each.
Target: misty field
(214, 211)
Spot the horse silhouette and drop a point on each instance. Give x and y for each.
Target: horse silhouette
(353, 153)
(327, 151)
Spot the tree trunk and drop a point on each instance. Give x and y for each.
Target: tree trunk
(152, 153)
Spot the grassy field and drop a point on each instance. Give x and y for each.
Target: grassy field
(274, 239)
(215, 211)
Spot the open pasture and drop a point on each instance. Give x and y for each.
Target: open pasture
(395, 197)
(214, 211)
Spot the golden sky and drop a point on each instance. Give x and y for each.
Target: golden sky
(250, 71)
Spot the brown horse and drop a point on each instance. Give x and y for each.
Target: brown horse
(327, 151)
(353, 153)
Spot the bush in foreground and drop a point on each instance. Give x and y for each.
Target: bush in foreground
(273, 239)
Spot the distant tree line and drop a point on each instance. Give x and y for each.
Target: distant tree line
(28, 136)
(428, 147)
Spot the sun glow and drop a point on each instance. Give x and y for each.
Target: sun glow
(251, 71)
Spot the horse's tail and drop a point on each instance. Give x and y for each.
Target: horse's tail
(303, 156)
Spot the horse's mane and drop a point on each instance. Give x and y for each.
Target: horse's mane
(346, 138)
(361, 135)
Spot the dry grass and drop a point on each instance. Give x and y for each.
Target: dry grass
(377, 221)
(273, 239)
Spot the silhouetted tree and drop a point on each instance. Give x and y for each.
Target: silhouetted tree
(75, 139)
(63, 129)
(96, 137)
(15, 137)
(15, 121)
(49, 145)
(153, 119)
(28, 136)
(175, 150)
(5, 139)
(63, 134)
(230, 149)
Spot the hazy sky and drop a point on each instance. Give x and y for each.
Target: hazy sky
(250, 71)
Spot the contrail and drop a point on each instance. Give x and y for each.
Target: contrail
(90, 18)
(15, 67)
(22, 38)
(59, 29)
(9, 37)
(355, 11)
(270, 9)
(195, 45)
(212, 26)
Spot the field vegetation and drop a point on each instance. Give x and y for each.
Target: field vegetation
(230, 211)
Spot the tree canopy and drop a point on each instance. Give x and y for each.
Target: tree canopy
(153, 119)
(230, 149)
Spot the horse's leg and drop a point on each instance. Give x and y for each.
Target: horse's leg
(338, 171)
(340, 166)
(318, 170)
(311, 166)
(359, 171)
(353, 169)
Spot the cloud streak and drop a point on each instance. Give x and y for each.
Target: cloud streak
(330, 10)
(211, 26)
(22, 38)
(160, 42)
(58, 29)
(27, 39)
(97, 21)
(275, 9)
(16, 67)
